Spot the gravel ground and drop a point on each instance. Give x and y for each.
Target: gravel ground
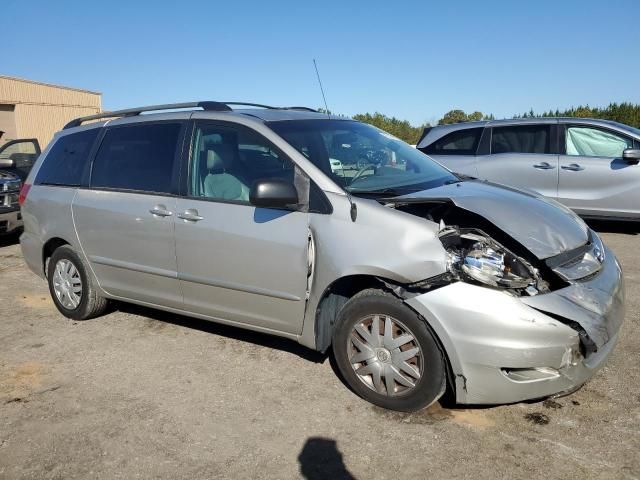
(145, 394)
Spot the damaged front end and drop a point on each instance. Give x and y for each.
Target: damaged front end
(475, 257)
(516, 324)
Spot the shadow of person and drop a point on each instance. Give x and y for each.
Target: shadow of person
(320, 459)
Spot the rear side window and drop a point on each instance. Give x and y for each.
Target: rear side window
(460, 142)
(521, 139)
(66, 162)
(137, 157)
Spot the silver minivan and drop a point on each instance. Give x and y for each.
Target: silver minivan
(416, 279)
(592, 166)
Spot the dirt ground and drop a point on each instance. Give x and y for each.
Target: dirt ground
(144, 394)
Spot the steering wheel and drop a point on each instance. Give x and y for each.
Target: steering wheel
(360, 172)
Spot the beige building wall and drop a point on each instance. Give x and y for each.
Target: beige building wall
(42, 109)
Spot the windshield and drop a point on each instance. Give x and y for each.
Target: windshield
(361, 158)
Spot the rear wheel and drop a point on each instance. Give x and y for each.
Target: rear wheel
(71, 289)
(387, 354)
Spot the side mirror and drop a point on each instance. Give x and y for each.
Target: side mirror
(631, 155)
(273, 193)
(7, 163)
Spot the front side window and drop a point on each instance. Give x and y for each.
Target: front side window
(361, 158)
(460, 142)
(67, 159)
(593, 142)
(137, 157)
(226, 160)
(521, 139)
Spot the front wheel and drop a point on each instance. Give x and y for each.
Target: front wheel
(387, 354)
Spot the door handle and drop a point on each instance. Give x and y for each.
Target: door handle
(574, 167)
(160, 211)
(543, 166)
(190, 215)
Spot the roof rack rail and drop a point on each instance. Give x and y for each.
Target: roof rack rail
(206, 105)
(131, 112)
(269, 107)
(259, 105)
(304, 109)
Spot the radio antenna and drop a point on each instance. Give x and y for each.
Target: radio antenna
(321, 89)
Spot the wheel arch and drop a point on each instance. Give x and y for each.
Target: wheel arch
(49, 247)
(342, 289)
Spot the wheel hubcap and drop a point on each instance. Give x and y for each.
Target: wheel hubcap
(385, 355)
(67, 284)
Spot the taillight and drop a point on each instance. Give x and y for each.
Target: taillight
(24, 191)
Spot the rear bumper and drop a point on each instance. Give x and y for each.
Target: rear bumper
(10, 221)
(502, 350)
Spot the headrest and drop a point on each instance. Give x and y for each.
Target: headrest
(219, 156)
(214, 161)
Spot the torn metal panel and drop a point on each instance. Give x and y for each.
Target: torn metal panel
(541, 225)
(596, 304)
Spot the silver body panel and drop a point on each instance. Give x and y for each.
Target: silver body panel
(132, 251)
(604, 187)
(242, 263)
(519, 170)
(250, 267)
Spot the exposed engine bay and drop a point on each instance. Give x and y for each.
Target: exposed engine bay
(481, 253)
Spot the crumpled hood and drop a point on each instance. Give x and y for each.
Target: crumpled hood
(543, 226)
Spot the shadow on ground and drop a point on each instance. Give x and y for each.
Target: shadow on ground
(235, 333)
(320, 459)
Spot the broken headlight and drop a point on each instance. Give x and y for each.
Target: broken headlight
(475, 257)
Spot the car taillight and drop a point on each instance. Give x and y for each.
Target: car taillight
(24, 191)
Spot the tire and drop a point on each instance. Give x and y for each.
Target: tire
(384, 361)
(81, 305)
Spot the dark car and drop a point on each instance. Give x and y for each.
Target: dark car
(16, 160)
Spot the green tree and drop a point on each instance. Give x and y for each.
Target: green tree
(399, 128)
(475, 116)
(627, 113)
(453, 116)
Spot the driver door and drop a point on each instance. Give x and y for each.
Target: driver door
(237, 263)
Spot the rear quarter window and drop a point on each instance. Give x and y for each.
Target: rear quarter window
(460, 142)
(521, 139)
(67, 161)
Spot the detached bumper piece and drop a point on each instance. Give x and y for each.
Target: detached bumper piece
(505, 349)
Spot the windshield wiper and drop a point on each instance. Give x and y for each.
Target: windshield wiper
(385, 192)
(461, 178)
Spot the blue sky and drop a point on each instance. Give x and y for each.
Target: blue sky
(414, 60)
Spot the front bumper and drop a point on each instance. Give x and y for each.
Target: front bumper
(10, 220)
(504, 349)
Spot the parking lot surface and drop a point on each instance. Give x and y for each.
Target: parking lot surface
(144, 394)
